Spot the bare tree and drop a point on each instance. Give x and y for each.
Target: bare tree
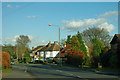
(22, 44)
(96, 39)
(96, 33)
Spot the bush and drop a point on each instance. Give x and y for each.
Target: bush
(40, 62)
(109, 59)
(5, 60)
(27, 59)
(75, 58)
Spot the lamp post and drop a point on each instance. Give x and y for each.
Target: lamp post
(59, 42)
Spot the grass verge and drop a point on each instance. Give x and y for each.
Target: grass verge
(6, 70)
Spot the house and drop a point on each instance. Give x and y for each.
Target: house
(112, 56)
(115, 43)
(33, 54)
(45, 52)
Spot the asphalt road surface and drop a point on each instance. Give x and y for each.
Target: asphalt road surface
(52, 71)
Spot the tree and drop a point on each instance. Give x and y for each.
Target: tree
(82, 47)
(68, 39)
(96, 39)
(98, 47)
(77, 52)
(97, 50)
(22, 44)
(75, 45)
(79, 37)
(23, 40)
(10, 49)
(96, 33)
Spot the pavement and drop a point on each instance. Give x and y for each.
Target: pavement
(17, 72)
(52, 71)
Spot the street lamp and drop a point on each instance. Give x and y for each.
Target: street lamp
(59, 41)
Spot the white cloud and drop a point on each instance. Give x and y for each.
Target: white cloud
(102, 22)
(37, 43)
(34, 40)
(108, 27)
(86, 23)
(110, 13)
(9, 6)
(30, 16)
(43, 42)
(15, 37)
(33, 16)
(30, 37)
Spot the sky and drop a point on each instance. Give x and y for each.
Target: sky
(32, 19)
(60, 0)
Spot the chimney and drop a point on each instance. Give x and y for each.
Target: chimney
(49, 44)
(32, 47)
(65, 45)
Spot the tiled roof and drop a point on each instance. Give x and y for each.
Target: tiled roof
(49, 47)
(37, 48)
(63, 53)
(67, 47)
(53, 47)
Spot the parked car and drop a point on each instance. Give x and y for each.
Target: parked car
(12, 62)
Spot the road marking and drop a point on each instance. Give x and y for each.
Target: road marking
(78, 76)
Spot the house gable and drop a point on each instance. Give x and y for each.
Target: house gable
(115, 43)
(115, 39)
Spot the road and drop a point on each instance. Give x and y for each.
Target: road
(52, 71)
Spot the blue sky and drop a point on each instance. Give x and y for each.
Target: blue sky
(60, 0)
(32, 19)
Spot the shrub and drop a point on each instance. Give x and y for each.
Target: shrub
(105, 58)
(27, 59)
(109, 59)
(75, 58)
(5, 60)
